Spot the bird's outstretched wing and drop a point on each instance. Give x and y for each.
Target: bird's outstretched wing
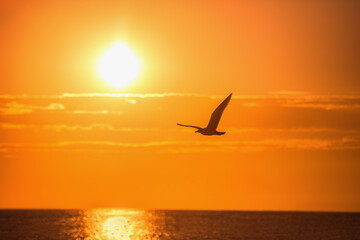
(216, 115)
(188, 126)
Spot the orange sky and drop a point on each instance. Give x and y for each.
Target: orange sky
(69, 140)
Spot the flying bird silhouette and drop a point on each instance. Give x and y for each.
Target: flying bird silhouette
(214, 120)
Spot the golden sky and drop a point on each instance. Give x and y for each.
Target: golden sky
(69, 140)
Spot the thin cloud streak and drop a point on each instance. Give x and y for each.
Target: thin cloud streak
(95, 112)
(282, 99)
(109, 127)
(276, 94)
(323, 106)
(111, 95)
(14, 108)
(193, 146)
(64, 127)
(291, 130)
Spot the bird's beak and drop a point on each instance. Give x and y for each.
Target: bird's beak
(197, 131)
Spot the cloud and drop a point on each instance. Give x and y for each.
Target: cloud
(292, 130)
(308, 144)
(293, 93)
(280, 98)
(17, 108)
(323, 106)
(94, 112)
(344, 143)
(64, 127)
(322, 102)
(110, 127)
(110, 95)
(110, 146)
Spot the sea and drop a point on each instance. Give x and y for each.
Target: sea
(96, 224)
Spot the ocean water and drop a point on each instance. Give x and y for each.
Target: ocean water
(163, 224)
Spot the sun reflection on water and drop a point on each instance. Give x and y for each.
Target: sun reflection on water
(118, 224)
(124, 227)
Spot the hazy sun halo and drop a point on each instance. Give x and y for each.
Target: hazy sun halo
(119, 65)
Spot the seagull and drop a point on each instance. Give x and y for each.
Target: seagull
(214, 120)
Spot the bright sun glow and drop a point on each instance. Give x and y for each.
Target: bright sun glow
(119, 66)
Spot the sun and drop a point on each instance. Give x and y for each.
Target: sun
(119, 65)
